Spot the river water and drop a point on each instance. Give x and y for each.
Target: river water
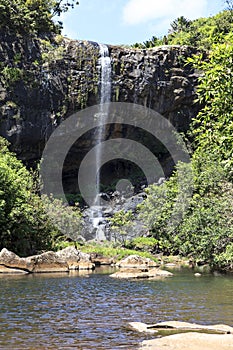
(61, 311)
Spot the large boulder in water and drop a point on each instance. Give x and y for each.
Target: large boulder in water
(48, 262)
(75, 259)
(10, 260)
(61, 261)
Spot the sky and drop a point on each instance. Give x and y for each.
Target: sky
(129, 21)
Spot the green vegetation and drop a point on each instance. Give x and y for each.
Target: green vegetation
(28, 223)
(201, 33)
(121, 225)
(192, 218)
(33, 16)
(204, 230)
(111, 250)
(212, 129)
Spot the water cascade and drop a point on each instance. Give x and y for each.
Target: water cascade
(105, 97)
(104, 64)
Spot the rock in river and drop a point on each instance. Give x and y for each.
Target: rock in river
(136, 261)
(141, 273)
(190, 341)
(61, 261)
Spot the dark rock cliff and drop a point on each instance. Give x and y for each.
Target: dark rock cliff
(43, 82)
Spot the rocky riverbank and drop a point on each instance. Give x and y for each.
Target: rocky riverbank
(70, 259)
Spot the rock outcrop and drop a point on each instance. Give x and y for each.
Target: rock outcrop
(61, 261)
(43, 84)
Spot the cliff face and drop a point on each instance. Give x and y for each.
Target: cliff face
(41, 84)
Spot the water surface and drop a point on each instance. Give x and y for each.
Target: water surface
(72, 311)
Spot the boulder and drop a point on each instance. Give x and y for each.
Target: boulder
(48, 262)
(99, 259)
(71, 256)
(85, 262)
(136, 261)
(11, 260)
(141, 273)
(61, 261)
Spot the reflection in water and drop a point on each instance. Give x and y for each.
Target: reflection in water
(72, 311)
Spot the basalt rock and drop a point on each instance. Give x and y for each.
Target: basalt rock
(43, 84)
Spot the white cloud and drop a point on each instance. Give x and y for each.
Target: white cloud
(144, 11)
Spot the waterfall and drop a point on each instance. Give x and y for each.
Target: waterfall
(104, 65)
(105, 97)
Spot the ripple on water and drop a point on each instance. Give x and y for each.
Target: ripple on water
(75, 312)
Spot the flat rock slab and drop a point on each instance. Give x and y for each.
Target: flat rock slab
(141, 273)
(11, 271)
(181, 326)
(190, 341)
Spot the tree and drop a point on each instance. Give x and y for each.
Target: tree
(180, 24)
(33, 16)
(23, 223)
(229, 4)
(28, 223)
(122, 226)
(201, 33)
(213, 127)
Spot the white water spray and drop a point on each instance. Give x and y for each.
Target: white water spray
(105, 97)
(104, 64)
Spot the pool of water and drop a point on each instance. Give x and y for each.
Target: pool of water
(72, 311)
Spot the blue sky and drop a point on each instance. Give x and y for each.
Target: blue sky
(130, 21)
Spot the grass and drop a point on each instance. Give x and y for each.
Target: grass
(109, 250)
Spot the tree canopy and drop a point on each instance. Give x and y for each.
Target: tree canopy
(33, 16)
(28, 222)
(201, 33)
(205, 229)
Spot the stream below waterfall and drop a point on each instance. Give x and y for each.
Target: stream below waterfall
(93, 311)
